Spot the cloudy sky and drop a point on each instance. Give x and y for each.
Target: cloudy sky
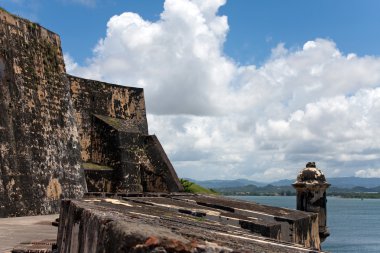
(237, 89)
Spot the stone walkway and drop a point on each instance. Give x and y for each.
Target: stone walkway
(13, 231)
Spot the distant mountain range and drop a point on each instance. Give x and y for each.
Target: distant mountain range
(339, 182)
(214, 184)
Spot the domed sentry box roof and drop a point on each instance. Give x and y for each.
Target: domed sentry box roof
(310, 177)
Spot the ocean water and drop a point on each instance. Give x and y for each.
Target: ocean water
(354, 224)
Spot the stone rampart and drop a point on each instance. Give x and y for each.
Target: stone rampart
(39, 149)
(55, 128)
(92, 97)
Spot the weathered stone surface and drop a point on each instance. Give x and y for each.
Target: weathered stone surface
(99, 178)
(157, 171)
(295, 227)
(52, 125)
(44, 246)
(39, 149)
(113, 131)
(106, 101)
(176, 223)
(138, 160)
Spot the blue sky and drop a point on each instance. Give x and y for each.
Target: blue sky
(256, 26)
(238, 88)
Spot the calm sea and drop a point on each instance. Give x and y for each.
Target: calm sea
(354, 224)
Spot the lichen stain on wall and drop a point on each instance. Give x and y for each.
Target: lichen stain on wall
(119, 101)
(10, 185)
(54, 189)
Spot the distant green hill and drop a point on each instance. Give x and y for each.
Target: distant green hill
(218, 183)
(346, 187)
(195, 188)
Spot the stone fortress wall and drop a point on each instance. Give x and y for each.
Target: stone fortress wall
(39, 149)
(113, 133)
(54, 126)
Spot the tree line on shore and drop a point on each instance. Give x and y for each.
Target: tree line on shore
(272, 190)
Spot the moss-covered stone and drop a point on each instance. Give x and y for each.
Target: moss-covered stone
(97, 167)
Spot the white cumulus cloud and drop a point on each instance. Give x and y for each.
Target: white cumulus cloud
(368, 173)
(219, 119)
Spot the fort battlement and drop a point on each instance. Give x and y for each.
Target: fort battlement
(55, 126)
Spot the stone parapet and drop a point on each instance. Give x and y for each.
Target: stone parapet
(175, 223)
